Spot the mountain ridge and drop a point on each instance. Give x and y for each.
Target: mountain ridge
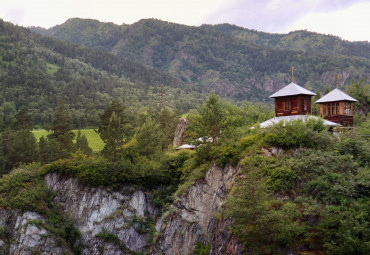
(220, 59)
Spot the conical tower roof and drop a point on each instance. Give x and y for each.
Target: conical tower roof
(291, 90)
(334, 96)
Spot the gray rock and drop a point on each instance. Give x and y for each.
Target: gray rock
(179, 133)
(28, 238)
(192, 219)
(99, 209)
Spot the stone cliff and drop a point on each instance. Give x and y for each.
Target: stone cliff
(128, 213)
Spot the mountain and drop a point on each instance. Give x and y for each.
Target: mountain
(298, 40)
(38, 71)
(88, 32)
(233, 61)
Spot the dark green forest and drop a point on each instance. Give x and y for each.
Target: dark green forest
(36, 72)
(235, 62)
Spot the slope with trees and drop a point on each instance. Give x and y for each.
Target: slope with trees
(301, 40)
(36, 72)
(214, 57)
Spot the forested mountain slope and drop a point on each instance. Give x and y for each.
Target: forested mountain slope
(298, 40)
(225, 58)
(38, 71)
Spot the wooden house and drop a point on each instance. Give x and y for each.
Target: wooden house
(292, 100)
(336, 106)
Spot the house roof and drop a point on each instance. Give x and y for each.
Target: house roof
(186, 146)
(292, 89)
(335, 95)
(304, 118)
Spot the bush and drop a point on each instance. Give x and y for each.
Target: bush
(295, 134)
(345, 229)
(201, 249)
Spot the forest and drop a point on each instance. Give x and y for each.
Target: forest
(235, 62)
(36, 72)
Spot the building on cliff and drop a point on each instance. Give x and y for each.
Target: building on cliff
(293, 102)
(336, 106)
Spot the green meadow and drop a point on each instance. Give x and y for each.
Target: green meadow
(93, 138)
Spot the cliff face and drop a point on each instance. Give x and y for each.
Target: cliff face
(128, 214)
(26, 235)
(192, 219)
(97, 210)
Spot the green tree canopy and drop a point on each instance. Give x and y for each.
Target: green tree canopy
(360, 90)
(61, 131)
(114, 129)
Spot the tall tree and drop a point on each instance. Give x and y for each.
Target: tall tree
(149, 138)
(360, 90)
(114, 129)
(23, 119)
(18, 144)
(61, 131)
(212, 118)
(82, 144)
(7, 115)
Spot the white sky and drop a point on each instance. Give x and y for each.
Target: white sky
(349, 19)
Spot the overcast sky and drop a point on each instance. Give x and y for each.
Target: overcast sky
(349, 19)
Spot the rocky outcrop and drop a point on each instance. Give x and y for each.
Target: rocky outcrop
(127, 216)
(25, 235)
(123, 212)
(179, 133)
(192, 217)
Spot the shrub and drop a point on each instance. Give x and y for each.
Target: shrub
(201, 249)
(295, 134)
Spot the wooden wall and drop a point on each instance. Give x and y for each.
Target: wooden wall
(293, 105)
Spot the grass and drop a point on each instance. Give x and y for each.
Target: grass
(93, 138)
(51, 68)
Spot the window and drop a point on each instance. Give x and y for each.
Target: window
(305, 104)
(324, 109)
(347, 108)
(287, 106)
(333, 109)
(337, 108)
(328, 109)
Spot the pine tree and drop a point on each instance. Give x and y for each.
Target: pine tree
(212, 117)
(114, 129)
(23, 120)
(82, 144)
(18, 144)
(61, 131)
(149, 138)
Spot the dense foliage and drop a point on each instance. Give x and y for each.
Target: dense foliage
(36, 72)
(314, 196)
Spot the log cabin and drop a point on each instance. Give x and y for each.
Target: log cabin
(292, 100)
(336, 106)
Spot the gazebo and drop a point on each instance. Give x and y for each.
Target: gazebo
(292, 100)
(336, 106)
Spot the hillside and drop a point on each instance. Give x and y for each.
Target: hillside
(298, 40)
(225, 58)
(293, 189)
(38, 71)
